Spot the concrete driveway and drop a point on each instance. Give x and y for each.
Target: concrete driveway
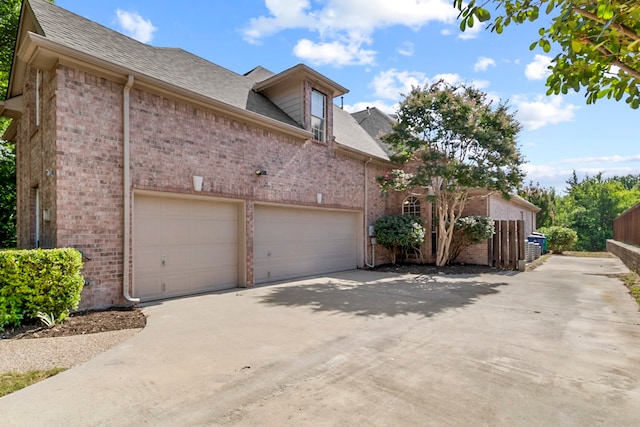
(556, 346)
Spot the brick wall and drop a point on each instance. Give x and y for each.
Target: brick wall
(170, 142)
(90, 179)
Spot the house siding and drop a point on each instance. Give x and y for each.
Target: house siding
(81, 139)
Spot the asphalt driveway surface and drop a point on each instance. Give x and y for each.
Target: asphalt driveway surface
(554, 347)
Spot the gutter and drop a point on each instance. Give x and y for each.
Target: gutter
(127, 194)
(366, 215)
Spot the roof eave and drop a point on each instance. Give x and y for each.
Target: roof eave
(46, 53)
(301, 71)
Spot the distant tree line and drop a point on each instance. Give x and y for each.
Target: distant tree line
(589, 206)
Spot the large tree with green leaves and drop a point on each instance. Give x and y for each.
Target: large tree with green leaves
(9, 17)
(591, 205)
(452, 139)
(545, 199)
(598, 41)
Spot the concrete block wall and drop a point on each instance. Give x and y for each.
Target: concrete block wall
(628, 254)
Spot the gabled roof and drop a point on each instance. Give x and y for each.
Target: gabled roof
(169, 65)
(376, 123)
(45, 27)
(298, 73)
(349, 133)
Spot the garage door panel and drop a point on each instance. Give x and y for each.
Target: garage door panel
(290, 242)
(149, 285)
(197, 239)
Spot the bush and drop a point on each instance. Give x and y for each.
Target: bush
(470, 230)
(399, 233)
(559, 239)
(38, 280)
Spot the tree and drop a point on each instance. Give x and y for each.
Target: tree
(545, 199)
(7, 196)
(598, 41)
(452, 139)
(592, 205)
(9, 17)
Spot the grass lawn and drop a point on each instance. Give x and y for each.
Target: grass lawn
(14, 381)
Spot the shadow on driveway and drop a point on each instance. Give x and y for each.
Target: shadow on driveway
(391, 296)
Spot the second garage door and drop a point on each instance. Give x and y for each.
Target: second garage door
(184, 246)
(298, 242)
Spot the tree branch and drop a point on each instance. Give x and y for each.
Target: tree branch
(618, 63)
(622, 28)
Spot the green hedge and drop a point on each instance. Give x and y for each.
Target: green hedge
(38, 280)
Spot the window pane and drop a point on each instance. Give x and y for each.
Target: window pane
(317, 126)
(317, 104)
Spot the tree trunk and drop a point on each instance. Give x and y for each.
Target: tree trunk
(449, 206)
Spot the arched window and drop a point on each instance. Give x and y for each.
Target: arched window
(411, 206)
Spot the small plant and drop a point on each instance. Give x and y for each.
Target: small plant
(559, 239)
(48, 319)
(399, 233)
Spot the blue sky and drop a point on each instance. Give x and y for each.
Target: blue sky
(378, 49)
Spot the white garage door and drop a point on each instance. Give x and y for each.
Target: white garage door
(183, 246)
(292, 242)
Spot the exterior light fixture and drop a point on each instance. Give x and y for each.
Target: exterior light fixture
(261, 172)
(197, 183)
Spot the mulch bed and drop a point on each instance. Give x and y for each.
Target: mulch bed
(430, 269)
(82, 322)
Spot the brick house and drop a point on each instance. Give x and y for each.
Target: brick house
(174, 175)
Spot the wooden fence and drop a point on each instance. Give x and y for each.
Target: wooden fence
(626, 228)
(508, 244)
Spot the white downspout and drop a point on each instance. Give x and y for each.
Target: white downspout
(127, 194)
(366, 225)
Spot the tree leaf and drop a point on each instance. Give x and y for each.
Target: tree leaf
(576, 46)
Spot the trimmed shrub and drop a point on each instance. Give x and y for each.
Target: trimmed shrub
(38, 280)
(559, 239)
(399, 233)
(470, 230)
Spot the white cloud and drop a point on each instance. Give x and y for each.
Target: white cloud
(406, 49)
(380, 105)
(483, 63)
(339, 15)
(345, 24)
(392, 84)
(334, 53)
(604, 159)
(556, 176)
(135, 26)
(543, 111)
(471, 33)
(539, 68)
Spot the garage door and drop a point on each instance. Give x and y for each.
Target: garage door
(292, 242)
(183, 246)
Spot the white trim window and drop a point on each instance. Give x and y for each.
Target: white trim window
(318, 115)
(411, 206)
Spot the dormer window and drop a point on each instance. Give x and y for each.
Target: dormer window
(318, 115)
